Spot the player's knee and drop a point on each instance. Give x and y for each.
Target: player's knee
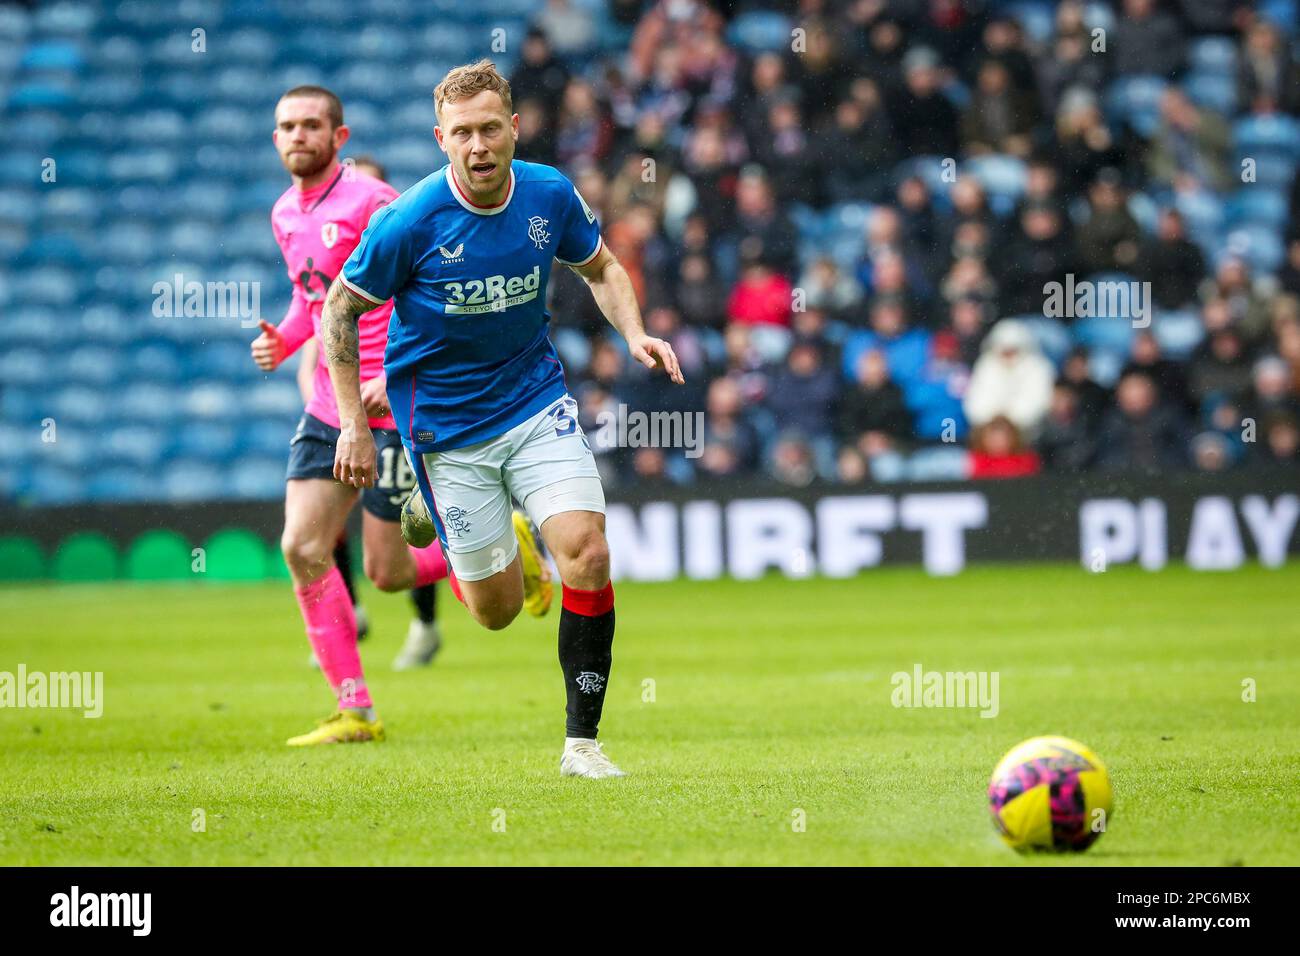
(588, 564)
(497, 616)
(302, 553)
(384, 576)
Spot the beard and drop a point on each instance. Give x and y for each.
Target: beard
(305, 165)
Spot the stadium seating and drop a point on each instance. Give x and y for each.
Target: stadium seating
(161, 162)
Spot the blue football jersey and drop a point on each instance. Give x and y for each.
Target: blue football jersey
(468, 354)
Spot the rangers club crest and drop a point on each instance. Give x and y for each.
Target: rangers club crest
(456, 521)
(589, 682)
(329, 234)
(537, 231)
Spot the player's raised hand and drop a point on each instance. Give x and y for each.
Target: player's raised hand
(374, 397)
(268, 348)
(354, 456)
(656, 353)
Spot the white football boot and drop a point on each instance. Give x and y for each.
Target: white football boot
(584, 758)
(423, 641)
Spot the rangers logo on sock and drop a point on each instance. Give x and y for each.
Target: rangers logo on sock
(589, 682)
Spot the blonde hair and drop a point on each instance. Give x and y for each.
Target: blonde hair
(463, 82)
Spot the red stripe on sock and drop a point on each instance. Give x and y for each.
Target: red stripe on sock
(589, 603)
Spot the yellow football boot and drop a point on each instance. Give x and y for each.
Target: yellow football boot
(341, 727)
(537, 573)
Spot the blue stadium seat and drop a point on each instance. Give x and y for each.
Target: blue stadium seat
(135, 444)
(212, 400)
(23, 366)
(93, 365)
(1052, 335)
(54, 56)
(1104, 333)
(70, 206)
(191, 480)
(39, 129)
(196, 239)
(1280, 12)
(1266, 135)
(155, 126)
(1203, 213)
(760, 30)
(143, 164)
(46, 285)
(1213, 55)
(381, 41)
(151, 402)
(223, 123)
(1178, 333)
(1099, 14)
(930, 170)
(126, 242)
(121, 484)
(24, 406)
(19, 166)
(1214, 92)
(267, 438)
(104, 322)
(1256, 204)
(255, 478)
(29, 324)
(1135, 101)
(1003, 179)
(113, 52)
(199, 439)
(1259, 245)
(250, 45)
(110, 91)
(62, 249)
(1104, 366)
(156, 362)
(1035, 18)
(19, 205)
(51, 485)
(937, 463)
(65, 19)
(46, 92)
(275, 396)
(81, 404)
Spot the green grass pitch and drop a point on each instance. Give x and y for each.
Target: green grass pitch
(769, 698)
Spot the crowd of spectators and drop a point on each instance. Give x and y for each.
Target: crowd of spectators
(922, 352)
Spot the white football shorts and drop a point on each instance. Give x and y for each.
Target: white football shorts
(544, 462)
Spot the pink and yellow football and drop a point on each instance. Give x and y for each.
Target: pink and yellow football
(1050, 793)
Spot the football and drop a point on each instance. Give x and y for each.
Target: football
(1050, 793)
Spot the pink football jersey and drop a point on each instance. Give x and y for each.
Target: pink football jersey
(317, 229)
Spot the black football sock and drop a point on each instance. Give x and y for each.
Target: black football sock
(586, 639)
(425, 600)
(343, 559)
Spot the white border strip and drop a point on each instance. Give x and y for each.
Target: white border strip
(360, 291)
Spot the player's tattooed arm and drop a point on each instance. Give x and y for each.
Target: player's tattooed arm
(354, 454)
(613, 291)
(338, 326)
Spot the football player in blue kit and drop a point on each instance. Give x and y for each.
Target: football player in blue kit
(476, 385)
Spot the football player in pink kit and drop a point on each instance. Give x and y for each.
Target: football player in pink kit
(317, 223)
